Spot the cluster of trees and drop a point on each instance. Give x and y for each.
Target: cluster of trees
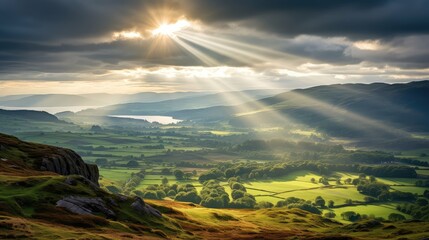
(422, 183)
(213, 174)
(293, 202)
(419, 209)
(183, 193)
(379, 191)
(240, 197)
(194, 165)
(159, 146)
(180, 175)
(283, 145)
(354, 217)
(273, 169)
(213, 195)
(133, 181)
(413, 162)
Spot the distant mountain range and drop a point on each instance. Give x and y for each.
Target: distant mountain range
(341, 109)
(96, 99)
(190, 102)
(30, 115)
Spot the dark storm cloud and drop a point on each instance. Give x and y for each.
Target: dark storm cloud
(353, 19)
(50, 20)
(69, 36)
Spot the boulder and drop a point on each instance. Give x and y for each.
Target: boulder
(141, 207)
(86, 206)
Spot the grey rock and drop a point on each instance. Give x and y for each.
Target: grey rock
(86, 205)
(141, 207)
(67, 162)
(70, 181)
(121, 198)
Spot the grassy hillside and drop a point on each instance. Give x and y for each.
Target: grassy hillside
(35, 204)
(14, 121)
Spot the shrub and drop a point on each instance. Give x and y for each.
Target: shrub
(319, 201)
(235, 194)
(351, 216)
(329, 215)
(188, 197)
(264, 204)
(150, 195)
(171, 193)
(395, 217)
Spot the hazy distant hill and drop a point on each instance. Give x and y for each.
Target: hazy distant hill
(17, 121)
(96, 99)
(51, 100)
(194, 102)
(28, 115)
(342, 109)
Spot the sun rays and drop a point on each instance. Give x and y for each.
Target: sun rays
(218, 51)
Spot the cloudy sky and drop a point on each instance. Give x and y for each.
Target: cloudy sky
(128, 46)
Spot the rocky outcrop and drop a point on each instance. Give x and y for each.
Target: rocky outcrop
(42, 157)
(96, 205)
(67, 162)
(86, 206)
(141, 207)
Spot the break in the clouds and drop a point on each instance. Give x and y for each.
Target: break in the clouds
(236, 44)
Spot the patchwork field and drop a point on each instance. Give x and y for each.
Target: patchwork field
(379, 210)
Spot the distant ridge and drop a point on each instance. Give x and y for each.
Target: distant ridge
(32, 115)
(340, 109)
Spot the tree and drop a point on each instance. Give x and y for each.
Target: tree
(348, 181)
(188, 176)
(329, 215)
(350, 216)
(313, 180)
(101, 162)
(165, 171)
(150, 195)
(213, 202)
(349, 201)
(160, 194)
(132, 164)
(178, 174)
(191, 196)
(96, 128)
(264, 204)
(422, 202)
(331, 204)
(369, 199)
(235, 194)
(164, 181)
(395, 217)
(238, 186)
(320, 201)
(245, 202)
(171, 193)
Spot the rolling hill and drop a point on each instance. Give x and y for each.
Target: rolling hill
(65, 202)
(95, 99)
(162, 107)
(340, 110)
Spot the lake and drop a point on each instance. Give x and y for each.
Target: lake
(159, 119)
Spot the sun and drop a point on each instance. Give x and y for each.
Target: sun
(170, 29)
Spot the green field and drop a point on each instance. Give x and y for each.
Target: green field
(381, 210)
(116, 176)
